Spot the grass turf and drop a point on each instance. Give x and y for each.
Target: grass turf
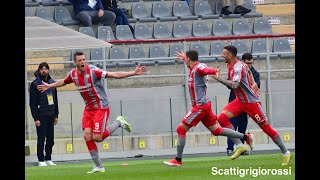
(192, 169)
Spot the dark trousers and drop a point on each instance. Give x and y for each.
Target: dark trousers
(45, 140)
(121, 18)
(239, 123)
(87, 18)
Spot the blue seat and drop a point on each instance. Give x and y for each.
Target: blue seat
(241, 27)
(202, 10)
(218, 8)
(200, 29)
(117, 53)
(123, 32)
(180, 29)
(141, 31)
(140, 11)
(259, 49)
(242, 47)
(181, 9)
(87, 31)
(249, 5)
(136, 52)
(156, 51)
(200, 47)
(160, 10)
(105, 33)
(220, 28)
(161, 30)
(173, 48)
(216, 49)
(261, 26)
(282, 47)
(62, 14)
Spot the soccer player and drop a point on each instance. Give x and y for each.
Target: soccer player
(247, 99)
(201, 108)
(88, 80)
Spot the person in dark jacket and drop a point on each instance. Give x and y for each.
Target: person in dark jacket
(90, 12)
(44, 110)
(240, 122)
(121, 18)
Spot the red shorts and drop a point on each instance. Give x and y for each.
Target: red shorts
(201, 113)
(95, 119)
(254, 110)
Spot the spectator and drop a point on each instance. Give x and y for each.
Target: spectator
(121, 18)
(239, 9)
(240, 122)
(90, 12)
(44, 110)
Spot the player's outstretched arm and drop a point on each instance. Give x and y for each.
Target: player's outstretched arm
(228, 83)
(122, 74)
(45, 86)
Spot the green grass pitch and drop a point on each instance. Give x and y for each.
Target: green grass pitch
(192, 169)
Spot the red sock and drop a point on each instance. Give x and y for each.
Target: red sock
(270, 131)
(105, 134)
(92, 146)
(181, 132)
(217, 131)
(224, 121)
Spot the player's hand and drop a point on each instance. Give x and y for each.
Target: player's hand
(181, 56)
(100, 13)
(55, 121)
(140, 70)
(37, 123)
(43, 87)
(216, 76)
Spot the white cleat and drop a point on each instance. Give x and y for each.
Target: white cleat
(96, 170)
(50, 163)
(124, 124)
(41, 163)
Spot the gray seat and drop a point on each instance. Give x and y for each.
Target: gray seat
(123, 32)
(136, 52)
(173, 48)
(281, 46)
(200, 47)
(200, 29)
(216, 49)
(241, 46)
(160, 10)
(50, 3)
(105, 33)
(241, 27)
(181, 9)
(161, 30)
(249, 5)
(218, 8)
(180, 29)
(129, 0)
(202, 10)
(259, 49)
(31, 3)
(156, 51)
(28, 12)
(87, 30)
(117, 53)
(261, 26)
(96, 54)
(140, 11)
(220, 28)
(45, 13)
(141, 31)
(66, 2)
(62, 14)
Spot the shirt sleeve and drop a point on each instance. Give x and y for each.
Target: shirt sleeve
(237, 73)
(203, 70)
(68, 79)
(100, 73)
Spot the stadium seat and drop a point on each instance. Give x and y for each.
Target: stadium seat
(259, 49)
(218, 7)
(66, 2)
(161, 30)
(105, 33)
(50, 2)
(96, 54)
(200, 29)
(62, 14)
(140, 12)
(156, 51)
(181, 9)
(129, 0)
(202, 10)
(31, 3)
(249, 5)
(241, 27)
(173, 48)
(200, 47)
(261, 26)
(242, 47)
(27, 12)
(141, 31)
(136, 52)
(180, 29)
(87, 31)
(216, 49)
(220, 28)
(45, 13)
(160, 10)
(166, 62)
(281, 46)
(117, 53)
(123, 32)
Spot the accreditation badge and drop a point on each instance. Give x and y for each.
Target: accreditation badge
(50, 99)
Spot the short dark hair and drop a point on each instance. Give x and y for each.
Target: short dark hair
(246, 56)
(192, 54)
(232, 49)
(43, 64)
(77, 54)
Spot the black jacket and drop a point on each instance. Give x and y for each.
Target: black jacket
(39, 102)
(256, 77)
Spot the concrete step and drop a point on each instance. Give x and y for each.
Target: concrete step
(283, 29)
(276, 9)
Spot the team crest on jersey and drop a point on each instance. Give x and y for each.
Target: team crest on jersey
(87, 75)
